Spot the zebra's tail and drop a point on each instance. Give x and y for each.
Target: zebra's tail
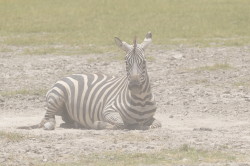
(40, 125)
(30, 127)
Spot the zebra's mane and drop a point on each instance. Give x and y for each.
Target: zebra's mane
(135, 44)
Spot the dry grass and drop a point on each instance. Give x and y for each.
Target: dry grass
(11, 137)
(184, 155)
(242, 83)
(95, 23)
(38, 92)
(214, 67)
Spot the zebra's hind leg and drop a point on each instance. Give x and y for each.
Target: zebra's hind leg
(112, 121)
(49, 124)
(69, 123)
(54, 106)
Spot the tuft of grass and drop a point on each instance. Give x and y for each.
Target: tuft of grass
(3, 50)
(11, 137)
(215, 67)
(25, 92)
(184, 155)
(91, 60)
(242, 83)
(133, 137)
(39, 51)
(206, 22)
(61, 50)
(151, 58)
(119, 57)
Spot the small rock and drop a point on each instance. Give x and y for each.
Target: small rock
(149, 147)
(1, 99)
(247, 98)
(214, 101)
(203, 129)
(105, 64)
(177, 56)
(2, 160)
(171, 116)
(31, 98)
(241, 87)
(124, 146)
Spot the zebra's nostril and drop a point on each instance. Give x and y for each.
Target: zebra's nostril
(134, 82)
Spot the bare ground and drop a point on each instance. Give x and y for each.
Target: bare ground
(203, 97)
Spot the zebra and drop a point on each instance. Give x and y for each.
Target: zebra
(99, 101)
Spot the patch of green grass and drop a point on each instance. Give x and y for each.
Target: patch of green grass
(5, 49)
(150, 58)
(183, 155)
(116, 58)
(215, 67)
(38, 92)
(91, 60)
(242, 83)
(96, 22)
(39, 51)
(80, 50)
(11, 137)
(133, 137)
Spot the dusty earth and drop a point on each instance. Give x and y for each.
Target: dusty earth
(200, 106)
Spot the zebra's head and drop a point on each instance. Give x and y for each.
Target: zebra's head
(135, 61)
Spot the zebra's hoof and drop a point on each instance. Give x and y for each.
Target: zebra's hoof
(49, 126)
(100, 125)
(154, 126)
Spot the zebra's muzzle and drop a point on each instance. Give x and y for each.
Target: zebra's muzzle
(133, 86)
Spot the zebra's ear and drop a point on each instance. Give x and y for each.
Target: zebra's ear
(123, 45)
(147, 40)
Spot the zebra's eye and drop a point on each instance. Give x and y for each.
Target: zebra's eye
(141, 62)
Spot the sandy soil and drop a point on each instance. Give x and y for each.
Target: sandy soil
(190, 98)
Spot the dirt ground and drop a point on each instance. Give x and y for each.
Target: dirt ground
(203, 98)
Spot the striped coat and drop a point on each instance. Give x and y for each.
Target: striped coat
(77, 93)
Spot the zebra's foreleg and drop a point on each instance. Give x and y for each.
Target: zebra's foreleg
(153, 123)
(113, 117)
(112, 121)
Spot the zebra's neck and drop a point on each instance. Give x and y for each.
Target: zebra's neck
(144, 93)
(136, 106)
